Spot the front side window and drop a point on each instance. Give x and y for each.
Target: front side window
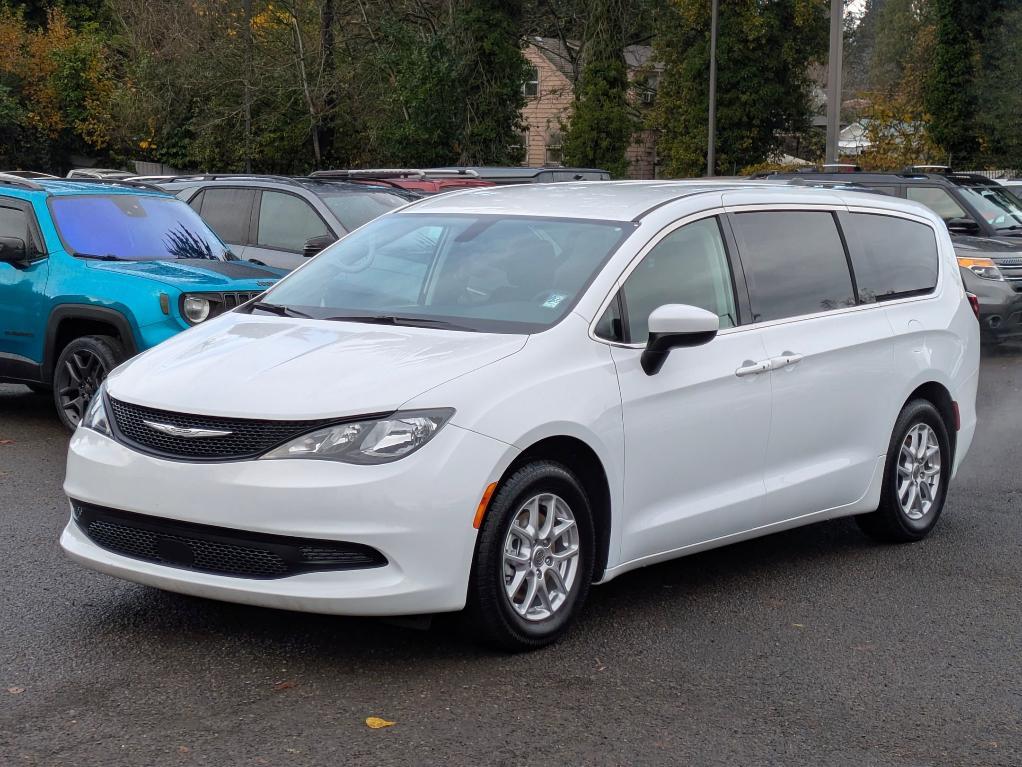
(14, 222)
(689, 266)
(938, 200)
(794, 263)
(492, 273)
(891, 257)
(128, 227)
(287, 221)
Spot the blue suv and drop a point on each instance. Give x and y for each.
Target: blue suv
(95, 271)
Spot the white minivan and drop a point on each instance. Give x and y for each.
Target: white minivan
(489, 400)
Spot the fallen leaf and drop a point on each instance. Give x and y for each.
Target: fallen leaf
(375, 723)
(6, 441)
(285, 685)
(798, 625)
(183, 749)
(15, 690)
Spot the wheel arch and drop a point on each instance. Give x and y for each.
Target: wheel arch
(583, 461)
(940, 397)
(70, 321)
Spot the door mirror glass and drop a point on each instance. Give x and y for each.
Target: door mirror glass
(674, 326)
(12, 250)
(314, 245)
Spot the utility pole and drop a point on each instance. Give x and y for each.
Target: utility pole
(834, 79)
(247, 6)
(711, 141)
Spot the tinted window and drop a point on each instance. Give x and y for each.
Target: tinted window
(14, 223)
(512, 274)
(794, 262)
(688, 266)
(286, 222)
(227, 211)
(938, 200)
(133, 228)
(891, 257)
(353, 209)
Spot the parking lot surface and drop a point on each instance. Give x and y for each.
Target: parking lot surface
(814, 647)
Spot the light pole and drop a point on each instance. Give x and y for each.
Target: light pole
(711, 145)
(834, 79)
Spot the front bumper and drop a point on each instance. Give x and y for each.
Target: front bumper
(1000, 307)
(417, 512)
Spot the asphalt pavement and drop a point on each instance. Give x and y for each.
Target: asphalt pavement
(810, 647)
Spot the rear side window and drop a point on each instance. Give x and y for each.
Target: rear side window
(286, 222)
(227, 211)
(794, 263)
(891, 257)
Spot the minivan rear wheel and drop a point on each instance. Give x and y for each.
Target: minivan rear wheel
(916, 477)
(534, 559)
(81, 367)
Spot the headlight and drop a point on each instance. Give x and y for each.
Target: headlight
(981, 267)
(196, 309)
(95, 414)
(368, 442)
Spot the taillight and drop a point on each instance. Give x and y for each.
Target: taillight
(974, 303)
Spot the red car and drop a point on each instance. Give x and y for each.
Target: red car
(420, 181)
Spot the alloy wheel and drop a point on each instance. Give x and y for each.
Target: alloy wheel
(541, 557)
(919, 471)
(79, 379)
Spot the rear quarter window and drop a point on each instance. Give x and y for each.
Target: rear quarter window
(891, 257)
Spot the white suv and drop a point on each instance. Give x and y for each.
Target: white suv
(491, 399)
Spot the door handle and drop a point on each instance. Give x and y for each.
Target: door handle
(750, 368)
(786, 359)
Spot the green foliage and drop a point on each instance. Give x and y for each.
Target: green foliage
(949, 96)
(602, 122)
(998, 95)
(764, 52)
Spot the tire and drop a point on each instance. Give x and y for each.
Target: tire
(81, 368)
(494, 616)
(896, 520)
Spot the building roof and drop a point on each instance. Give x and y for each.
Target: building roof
(565, 56)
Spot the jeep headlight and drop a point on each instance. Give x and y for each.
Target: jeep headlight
(372, 441)
(195, 309)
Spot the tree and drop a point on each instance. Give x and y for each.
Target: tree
(602, 121)
(950, 99)
(998, 96)
(764, 90)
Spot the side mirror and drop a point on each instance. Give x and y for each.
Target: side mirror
(673, 326)
(962, 226)
(13, 250)
(314, 245)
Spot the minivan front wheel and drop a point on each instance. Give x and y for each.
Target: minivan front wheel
(81, 368)
(534, 558)
(916, 476)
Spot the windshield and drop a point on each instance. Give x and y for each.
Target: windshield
(470, 272)
(130, 227)
(354, 208)
(999, 208)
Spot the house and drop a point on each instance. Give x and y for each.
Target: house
(550, 95)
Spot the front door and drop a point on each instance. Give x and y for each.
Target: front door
(696, 431)
(23, 300)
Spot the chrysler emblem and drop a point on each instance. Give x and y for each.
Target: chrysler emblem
(186, 432)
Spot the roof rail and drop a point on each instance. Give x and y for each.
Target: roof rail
(942, 169)
(222, 176)
(18, 181)
(383, 173)
(840, 167)
(115, 182)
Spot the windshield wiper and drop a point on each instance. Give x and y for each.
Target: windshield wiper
(280, 311)
(391, 319)
(106, 257)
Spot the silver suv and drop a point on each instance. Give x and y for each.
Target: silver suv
(279, 221)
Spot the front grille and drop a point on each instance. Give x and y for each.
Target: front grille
(248, 438)
(217, 550)
(234, 300)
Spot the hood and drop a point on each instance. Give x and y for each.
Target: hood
(243, 366)
(197, 273)
(990, 247)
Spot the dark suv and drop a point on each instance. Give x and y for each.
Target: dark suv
(985, 222)
(279, 221)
